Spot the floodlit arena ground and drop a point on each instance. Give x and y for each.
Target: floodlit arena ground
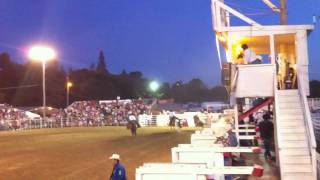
(82, 153)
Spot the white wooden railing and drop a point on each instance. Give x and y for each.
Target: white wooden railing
(309, 125)
(276, 109)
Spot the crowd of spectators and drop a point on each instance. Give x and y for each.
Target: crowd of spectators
(95, 113)
(12, 118)
(79, 113)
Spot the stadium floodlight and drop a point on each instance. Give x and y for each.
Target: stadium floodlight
(42, 54)
(154, 86)
(69, 85)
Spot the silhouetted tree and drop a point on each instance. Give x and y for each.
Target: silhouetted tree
(124, 72)
(101, 65)
(136, 74)
(92, 66)
(314, 88)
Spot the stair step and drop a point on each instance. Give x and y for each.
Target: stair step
(289, 105)
(297, 168)
(288, 93)
(293, 137)
(294, 152)
(298, 176)
(286, 117)
(290, 111)
(292, 130)
(289, 99)
(295, 160)
(290, 124)
(294, 144)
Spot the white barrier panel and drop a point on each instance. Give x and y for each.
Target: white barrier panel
(192, 155)
(163, 119)
(203, 139)
(200, 145)
(209, 131)
(212, 156)
(200, 138)
(144, 119)
(262, 75)
(169, 173)
(187, 172)
(216, 149)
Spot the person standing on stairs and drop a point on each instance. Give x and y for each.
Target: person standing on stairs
(266, 133)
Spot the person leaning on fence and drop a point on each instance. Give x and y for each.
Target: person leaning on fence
(118, 171)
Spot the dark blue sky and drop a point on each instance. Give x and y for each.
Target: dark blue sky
(165, 39)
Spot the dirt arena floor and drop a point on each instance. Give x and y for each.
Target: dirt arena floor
(82, 153)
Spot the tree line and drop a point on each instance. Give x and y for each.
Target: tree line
(21, 84)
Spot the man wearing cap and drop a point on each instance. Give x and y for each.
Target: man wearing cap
(118, 172)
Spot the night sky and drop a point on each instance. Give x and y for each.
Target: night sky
(168, 40)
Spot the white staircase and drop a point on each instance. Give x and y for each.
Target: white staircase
(295, 154)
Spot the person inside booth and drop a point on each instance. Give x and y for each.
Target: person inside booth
(290, 79)
(250, 56)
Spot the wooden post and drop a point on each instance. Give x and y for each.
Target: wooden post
(283, 12)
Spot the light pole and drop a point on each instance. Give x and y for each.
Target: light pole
(42, 54)
(153, 86)
(69, 85)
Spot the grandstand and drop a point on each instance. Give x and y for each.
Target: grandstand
(79, 113)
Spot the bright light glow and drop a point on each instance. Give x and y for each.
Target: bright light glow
(222, 38)
(41, 53)
(69, 84)
(237, 39)
(154, 86)
(239, 49)
(294, 66)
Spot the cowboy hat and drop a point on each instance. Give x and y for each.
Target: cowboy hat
(115, 156)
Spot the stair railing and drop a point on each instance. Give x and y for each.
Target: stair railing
(309, 125)
(276, 119)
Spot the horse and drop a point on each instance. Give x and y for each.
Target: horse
(132, 125)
